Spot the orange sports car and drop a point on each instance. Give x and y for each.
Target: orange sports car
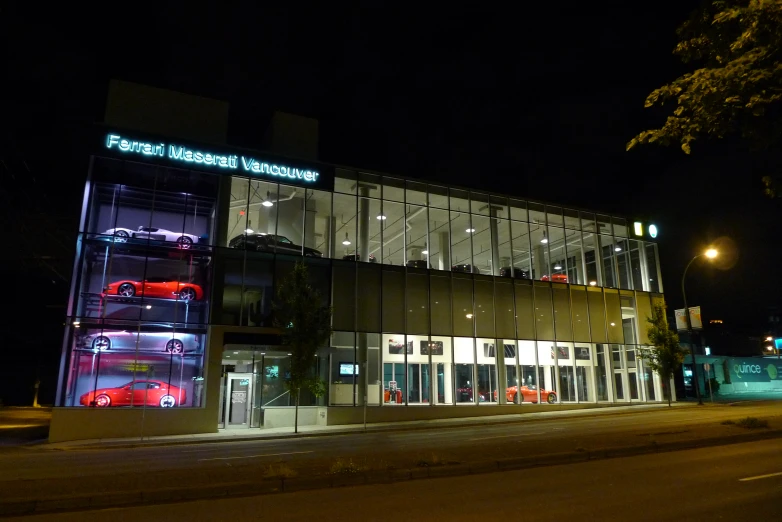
(155, 393)
(156, 287)
(557, 278)
(529, 393)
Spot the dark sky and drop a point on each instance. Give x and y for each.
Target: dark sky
(537, 102)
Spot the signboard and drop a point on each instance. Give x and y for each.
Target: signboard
(754, 370)
(220, 159)
(695, 318)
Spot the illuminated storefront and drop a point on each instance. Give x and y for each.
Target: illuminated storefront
(442, 296)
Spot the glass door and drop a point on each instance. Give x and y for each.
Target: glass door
(238, 399)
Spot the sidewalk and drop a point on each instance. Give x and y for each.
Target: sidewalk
(257, 434)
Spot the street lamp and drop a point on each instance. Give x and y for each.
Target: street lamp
(711, 254)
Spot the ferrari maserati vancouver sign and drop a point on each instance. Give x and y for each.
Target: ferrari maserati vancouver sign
(229, 162)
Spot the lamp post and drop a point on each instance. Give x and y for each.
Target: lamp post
(711, 254)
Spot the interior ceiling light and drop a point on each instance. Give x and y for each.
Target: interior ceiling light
(347, 240)
(248, 231)
(268, 201)
(557, 267)
(381, 217)
(425, 252)
(470, 230)
(592, 283)
(617, 249)
(545, 238)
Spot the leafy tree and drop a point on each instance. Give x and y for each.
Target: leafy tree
(737, 90)
(305, 323)
(665, 356)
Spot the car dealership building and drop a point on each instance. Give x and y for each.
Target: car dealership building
(447, 301)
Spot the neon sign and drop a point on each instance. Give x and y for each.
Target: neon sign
(184, 154)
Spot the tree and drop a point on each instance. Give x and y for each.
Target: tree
(737, 90)
(665, 356)
(305, 323)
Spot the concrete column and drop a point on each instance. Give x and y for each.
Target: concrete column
(445, 251)
(310, 212)
(539, 265)
(361, 360)
(362, 249)
(495, 249)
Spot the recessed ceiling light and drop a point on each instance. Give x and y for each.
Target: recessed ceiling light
(236, 353)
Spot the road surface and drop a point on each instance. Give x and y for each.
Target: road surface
(735, 482)
(33, 473)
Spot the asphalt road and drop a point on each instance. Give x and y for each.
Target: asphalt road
(735, 482)
(30, 472)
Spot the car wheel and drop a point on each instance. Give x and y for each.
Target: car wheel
(102, 401)
(175, 346)
(126, 290)
(167, 401)
(187, 294)
(120, 236)
(101, 343)
(184, 242)
(551, 399)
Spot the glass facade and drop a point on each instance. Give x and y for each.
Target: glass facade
(440, 296)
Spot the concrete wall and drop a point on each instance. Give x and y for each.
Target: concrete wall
(169, 113)
(339, 416)
(91, 423)
(284, 417)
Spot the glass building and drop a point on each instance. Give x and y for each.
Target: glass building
(442, 297)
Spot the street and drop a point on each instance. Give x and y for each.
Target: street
(33, 472)
(735, 482)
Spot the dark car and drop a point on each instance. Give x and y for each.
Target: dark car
(417, 263)
(514, 272)
(356, 257)
(466, 268)
(271, 243)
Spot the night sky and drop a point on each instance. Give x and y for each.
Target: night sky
(536, 102)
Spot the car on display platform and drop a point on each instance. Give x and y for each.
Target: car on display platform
(517, 273)
(159, 287)
(270, 243)
(136, 393)
(177, 343)
(465, 395)
(357, 257)
(184, 241)
(556, 278)
(529, 393)
(466, 268)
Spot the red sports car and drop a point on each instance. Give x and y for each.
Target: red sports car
(529, 393)
(156, 287)
(156, 393)
(557, 278)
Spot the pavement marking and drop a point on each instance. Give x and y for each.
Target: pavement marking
(255, 456)
(747, 479)
(507, 436)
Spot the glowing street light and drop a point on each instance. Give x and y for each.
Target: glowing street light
(711, 254)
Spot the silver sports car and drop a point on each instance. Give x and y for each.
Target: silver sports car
(121, 235)
(171, 342)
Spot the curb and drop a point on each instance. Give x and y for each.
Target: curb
(480, 421)
(283, 485)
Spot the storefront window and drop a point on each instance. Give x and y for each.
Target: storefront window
(417, 249)
(464, 369)
(345, 227)
(344, 379)
(439, 249)
(319, 224)
(136, 367)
